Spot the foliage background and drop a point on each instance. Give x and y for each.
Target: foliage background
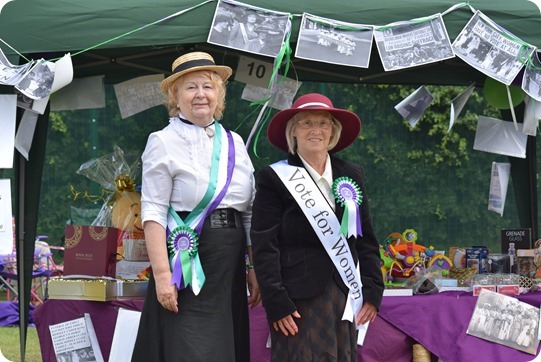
(422, 178)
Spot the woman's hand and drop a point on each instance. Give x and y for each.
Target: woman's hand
(367, 314)
(166, 293)
(287, 324)
(253, 288)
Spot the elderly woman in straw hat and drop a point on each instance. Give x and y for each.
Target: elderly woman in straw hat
(197, 194)
(315, 253)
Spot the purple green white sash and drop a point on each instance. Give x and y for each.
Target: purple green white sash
(327, 227)
(183, 235)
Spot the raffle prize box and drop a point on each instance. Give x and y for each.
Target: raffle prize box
(476, 257)
(132, 246)
(526, 263)
(90, 250)
(99, 289)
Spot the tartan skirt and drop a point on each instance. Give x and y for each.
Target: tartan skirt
(322, 336)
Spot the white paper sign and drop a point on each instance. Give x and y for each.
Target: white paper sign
(25, 133)
(281, 96)
(127, 325)
(500, 137)
(76, 340)
(139, 94)
(8, 111)
(413, 106)
(63, 74)
(81, 93)
(6, 227)
(499, 182)
(253, 71)
(532, 116)
(458, 103)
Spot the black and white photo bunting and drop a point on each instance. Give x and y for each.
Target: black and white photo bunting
(335, 42)
(413, 43)
(248, 28)
(491, 49)
(531, 81)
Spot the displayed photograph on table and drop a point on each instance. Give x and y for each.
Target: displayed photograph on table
(334, 42)
(505, 320)
(413, 43)
(76, 340)
(491, 49)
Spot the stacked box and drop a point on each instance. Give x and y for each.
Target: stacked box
(100, 290)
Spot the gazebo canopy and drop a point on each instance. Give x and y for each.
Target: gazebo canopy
(124, 39)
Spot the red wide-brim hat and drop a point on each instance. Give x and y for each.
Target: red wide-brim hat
(351, 124)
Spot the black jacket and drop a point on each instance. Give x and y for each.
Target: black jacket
(290, 261)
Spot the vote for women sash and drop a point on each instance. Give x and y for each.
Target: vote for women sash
(327, 227)
(183, 235)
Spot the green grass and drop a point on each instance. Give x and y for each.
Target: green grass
(10, 345)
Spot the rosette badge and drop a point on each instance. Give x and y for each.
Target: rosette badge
(348, 194)
(182, 245)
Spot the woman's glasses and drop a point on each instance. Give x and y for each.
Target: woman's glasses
(309, 123)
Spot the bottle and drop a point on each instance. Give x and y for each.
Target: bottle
(512, 258)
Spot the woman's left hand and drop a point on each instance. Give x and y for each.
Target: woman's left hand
(253, 288)
(367, 314)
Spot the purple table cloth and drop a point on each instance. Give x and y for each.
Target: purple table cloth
(383, 341)
(439, 322)
(9, 314)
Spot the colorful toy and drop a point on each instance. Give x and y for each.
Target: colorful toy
(401, 256)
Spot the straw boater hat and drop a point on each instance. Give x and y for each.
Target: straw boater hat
(193, 62)
(351, 124)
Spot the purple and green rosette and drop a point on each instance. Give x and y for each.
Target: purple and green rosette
(182, 245)
(348, 194)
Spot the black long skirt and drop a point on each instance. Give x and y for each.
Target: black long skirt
(322, 336)
(212, 326)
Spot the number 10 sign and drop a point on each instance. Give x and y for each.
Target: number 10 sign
(254, 72)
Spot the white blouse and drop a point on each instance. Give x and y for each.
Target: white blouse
(324, 182)
(176, 170)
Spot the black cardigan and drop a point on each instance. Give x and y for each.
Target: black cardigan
(290, 261)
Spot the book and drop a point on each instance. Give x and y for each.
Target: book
(75, 340)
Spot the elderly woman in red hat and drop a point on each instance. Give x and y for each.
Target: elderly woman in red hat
(315, 253)
(197, 194)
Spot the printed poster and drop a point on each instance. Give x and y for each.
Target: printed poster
(413, 43)
(334, 42)
(6, 219)
(491, 49)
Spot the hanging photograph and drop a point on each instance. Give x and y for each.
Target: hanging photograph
(491, 49)
(531, 81)
(37, 84)
(413, 43)
(500, 137)
(281, 97)
(251, 29)
(505, 320)
(12, 74)
(335, 42)
(414, 106)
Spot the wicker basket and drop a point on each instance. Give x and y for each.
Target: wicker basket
(421, 354)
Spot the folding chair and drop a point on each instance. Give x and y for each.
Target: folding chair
(5, 282)
(44, 262)
(44, 266)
